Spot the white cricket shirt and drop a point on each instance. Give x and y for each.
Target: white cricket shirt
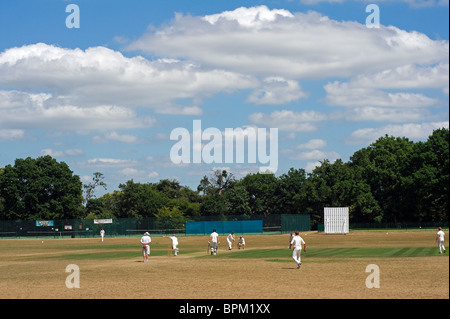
(214, 237)
(146, 239)
(297, 242)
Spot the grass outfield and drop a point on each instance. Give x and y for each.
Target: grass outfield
(332, 267)
(124, 251)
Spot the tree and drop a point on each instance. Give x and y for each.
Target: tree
(213, 205)
(237, 201)
(261, 191)
(387, 166)
(220, 181)
(169, 218)
(288, 188)
(138, 199)
(431, 177)
(1, 198)
(40, 188)
(98, 208)
(89, 189)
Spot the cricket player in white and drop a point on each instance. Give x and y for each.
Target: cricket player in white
(440, 239)
(102, 233)
(297, 242)
(290, 238)
(214, 242)
(174, 244)
(241, 242)
(145, 241)
(230, 240)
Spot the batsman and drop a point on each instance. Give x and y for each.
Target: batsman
(213, 242)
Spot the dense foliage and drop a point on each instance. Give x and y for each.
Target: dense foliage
(392, 180)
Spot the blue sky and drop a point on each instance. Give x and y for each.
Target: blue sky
(106, 96)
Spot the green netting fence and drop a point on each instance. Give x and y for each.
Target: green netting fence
(85, 228)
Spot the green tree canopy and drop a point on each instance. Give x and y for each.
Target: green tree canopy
(40, 188)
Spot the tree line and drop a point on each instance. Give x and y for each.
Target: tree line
(392, 180)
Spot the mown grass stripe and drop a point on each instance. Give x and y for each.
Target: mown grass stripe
(392, 252)
(400, 252)
(336, 252)
(271, 254)
(411, 252)
(422, 251)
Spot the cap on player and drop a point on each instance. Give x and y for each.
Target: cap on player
(439, 228)
(296, 232)
(146, 233)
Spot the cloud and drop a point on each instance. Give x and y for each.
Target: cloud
(54, 153)
(129, 172)
(316, 155)
(263, 42)
(153, 174)
(275, 91)
(373, 97)
(313, 144)
(286, 120)
(114, 136)
(105, 162)
(11, 135)
(344, 94)
(249, 17)
(414, 131)
(101, 76)
(22, 110)
(310, 166)
(380, 114)
(406, 77)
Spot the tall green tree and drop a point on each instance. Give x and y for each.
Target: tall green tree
(40, 188)
(219, 182)
(431, 177)
(139, 200)
(387, 166)
(261, 191)
(89, 188)
(288, 188)
(237, 201)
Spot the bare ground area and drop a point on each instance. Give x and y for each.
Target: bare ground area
(32, 269)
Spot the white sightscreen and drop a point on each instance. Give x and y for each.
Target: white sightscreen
(335, 220)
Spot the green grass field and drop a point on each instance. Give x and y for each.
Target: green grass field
(333, 266)
(112, 251)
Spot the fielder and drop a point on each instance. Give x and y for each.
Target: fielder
(174, 244)
(241, 242)
(230, 240)
(290, 239)
(145, 241)
(440, 239)
(214, 242)
(297, 242)
(102, 233)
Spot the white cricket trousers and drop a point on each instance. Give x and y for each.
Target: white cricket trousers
(230, 243)
(441, 246)
(296, 255)
(214, 247)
